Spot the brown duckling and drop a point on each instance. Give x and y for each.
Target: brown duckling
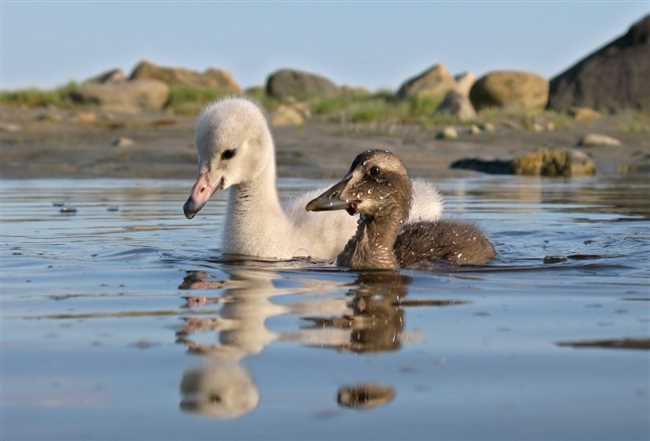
(379, 189)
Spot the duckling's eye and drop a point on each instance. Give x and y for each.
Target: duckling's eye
(227, 154)
(375, 171)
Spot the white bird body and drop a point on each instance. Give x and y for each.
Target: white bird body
(236, 151)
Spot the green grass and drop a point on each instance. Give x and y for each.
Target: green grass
(60, 97)
(380, 107)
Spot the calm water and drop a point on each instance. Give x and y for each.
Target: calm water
(123, 321)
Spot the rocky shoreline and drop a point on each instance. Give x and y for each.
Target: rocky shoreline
(140, 125)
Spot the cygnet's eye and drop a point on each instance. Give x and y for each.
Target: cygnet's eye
(227, 154)
(375, 171)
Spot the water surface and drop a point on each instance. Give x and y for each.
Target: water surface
(122, 320)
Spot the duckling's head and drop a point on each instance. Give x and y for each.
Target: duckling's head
(234, 146)
(376, 185)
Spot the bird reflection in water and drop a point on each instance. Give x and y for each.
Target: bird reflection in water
(369, 319)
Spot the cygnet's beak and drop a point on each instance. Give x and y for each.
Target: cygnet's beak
(202, 190)
(332, 200)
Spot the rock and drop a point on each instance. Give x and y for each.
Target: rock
(434, 82)
(510, 89)
(123, 141)
(554, 162)
(549, 126)
(458, 105)
(86, 117)
(285, 116)
(612, 78)
(474, 130)
(10, 127)
(584, 114)
(464, 82)
(124, 96)
(547, 162)
(490, 166)
(488, 127)
(288, 83)
(448, 132)
(51, 115)
(110, 76)
(596, 139)
(176, 76)
(537, 127)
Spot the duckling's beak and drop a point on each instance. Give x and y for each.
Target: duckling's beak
(331, 199)
(202, 190)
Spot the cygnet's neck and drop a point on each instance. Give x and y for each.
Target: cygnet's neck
(254, 211)
(372, 245)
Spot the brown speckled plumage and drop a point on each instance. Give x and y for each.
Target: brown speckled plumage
(378, 187)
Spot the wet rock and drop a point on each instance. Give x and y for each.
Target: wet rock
(613, 78)
(365, 396)
(123, 141)
(511, 90)
(110, 76)
(624, 343)
(68, 210)
(290, 83)
(10, 127)
(448, 133)
(125, 96)
(285, 116)
(487, 165)
(584, 114)
(596, 139)
(434, 82)
(554, 259)
(464, 83)
(217, 79)
(555, 162)
(546, 162)
(458, 105)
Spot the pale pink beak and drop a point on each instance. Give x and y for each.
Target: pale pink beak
(202, 190)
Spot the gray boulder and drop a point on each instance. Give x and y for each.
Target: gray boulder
(458, 105)
(287, 84)
(124, 96)
(434, 82)
(510, 89)
(614, 77)
(217, 79)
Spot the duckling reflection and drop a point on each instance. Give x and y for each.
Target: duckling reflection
(377, 320)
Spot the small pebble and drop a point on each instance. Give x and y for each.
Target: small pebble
(68, 210)
(554, 259)
(123, 141)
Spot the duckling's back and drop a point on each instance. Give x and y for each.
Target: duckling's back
(455, 242)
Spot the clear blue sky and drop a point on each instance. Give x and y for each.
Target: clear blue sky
(376, 44)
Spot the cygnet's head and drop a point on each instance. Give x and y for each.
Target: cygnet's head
(223, 390)
(377, 183)
(234, 146)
